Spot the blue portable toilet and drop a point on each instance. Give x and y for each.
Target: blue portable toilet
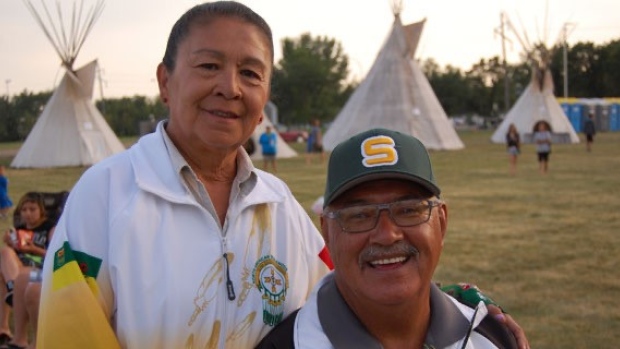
(614, 117)
(575, 117)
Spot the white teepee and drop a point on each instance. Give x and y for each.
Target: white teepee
(537, 102)
(396, 95)
(70, 131)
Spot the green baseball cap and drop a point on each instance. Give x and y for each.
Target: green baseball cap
(378, 154)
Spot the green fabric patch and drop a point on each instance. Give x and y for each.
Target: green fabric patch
(89, 265)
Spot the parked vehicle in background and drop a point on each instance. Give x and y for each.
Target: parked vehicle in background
(294, 136)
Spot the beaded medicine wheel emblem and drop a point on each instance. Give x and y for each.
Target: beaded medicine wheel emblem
(271, 279)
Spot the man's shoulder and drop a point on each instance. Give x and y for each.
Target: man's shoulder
(281, 337)
(497, 333)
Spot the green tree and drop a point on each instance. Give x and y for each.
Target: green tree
(610, 68)
(19, 114)
(5, 111)
(125, 114)
(478, 91)
(449, 85)
(310, 79)
(25, 109)
(585, 74)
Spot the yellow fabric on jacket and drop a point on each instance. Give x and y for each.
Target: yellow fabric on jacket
(73, 286)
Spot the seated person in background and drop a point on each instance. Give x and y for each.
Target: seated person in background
(384, 224)
(24, 248)
(26, 307)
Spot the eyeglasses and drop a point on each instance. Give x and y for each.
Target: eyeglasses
(404, 213)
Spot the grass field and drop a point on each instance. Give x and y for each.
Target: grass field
(546, 247)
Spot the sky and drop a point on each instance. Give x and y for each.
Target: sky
(130, 36)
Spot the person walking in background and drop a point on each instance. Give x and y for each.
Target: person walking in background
(268, 142)
(542, 139)
(513, 145)
(5, 199)
(314, 143)
(589, 129)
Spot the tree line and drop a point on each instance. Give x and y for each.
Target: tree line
(593, 71)
(311, 80)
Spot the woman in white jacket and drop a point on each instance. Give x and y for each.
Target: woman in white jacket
(182, 242)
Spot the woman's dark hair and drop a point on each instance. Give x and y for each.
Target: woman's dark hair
(206, 12)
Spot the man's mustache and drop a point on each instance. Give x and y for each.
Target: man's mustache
(375, 252)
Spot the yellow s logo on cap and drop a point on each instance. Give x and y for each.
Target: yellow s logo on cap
(379, 151)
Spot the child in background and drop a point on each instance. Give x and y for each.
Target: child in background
(513, 145)
(542, 139)
(24, 249)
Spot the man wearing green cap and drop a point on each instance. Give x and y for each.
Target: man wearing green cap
(384, 223)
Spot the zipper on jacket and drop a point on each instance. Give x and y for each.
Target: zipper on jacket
(479, 312)
(230, 289)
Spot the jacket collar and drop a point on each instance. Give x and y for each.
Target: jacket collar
(155, 173)
(344, 330)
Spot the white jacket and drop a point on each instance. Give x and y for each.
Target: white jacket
(162, 277)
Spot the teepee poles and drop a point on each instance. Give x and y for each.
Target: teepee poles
(67, 42)
(501, 31)
(397, 7)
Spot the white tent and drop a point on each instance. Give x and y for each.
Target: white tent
(70, 131)
(282, 148)
(396, 95)
(537, 103)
